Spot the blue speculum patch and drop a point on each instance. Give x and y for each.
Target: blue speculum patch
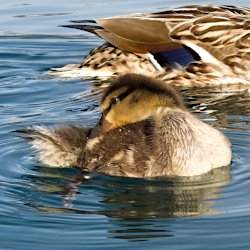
(182, 56)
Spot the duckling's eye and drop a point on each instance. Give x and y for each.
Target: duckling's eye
(115, 100)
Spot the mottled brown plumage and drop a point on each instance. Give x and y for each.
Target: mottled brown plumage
(218, 35)
(106, 61)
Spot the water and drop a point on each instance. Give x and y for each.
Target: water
(50, 208)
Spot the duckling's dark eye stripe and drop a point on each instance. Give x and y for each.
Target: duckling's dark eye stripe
(125, 94)
(120, 98)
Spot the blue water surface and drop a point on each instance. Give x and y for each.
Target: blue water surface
(48, 208)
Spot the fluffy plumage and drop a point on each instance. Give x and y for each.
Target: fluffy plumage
(145, 131)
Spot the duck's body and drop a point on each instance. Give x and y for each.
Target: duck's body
(145, 131)
(107, 61)
(216, 37)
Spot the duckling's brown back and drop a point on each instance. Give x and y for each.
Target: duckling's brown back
(123, 151)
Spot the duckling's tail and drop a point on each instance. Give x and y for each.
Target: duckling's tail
(58, 147)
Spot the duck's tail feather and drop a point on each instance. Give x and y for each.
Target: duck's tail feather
(85, 27)
(83, 21)
(56, 147)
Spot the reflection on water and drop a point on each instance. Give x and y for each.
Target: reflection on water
(131, 205)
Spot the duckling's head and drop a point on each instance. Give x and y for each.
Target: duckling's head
(133, 97)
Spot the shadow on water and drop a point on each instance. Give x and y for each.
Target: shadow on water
(132, 206)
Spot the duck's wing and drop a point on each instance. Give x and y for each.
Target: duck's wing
(215, 33)
(142, 44)
(140, 33)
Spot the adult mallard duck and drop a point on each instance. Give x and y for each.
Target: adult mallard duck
(145, 131)
(211, 43)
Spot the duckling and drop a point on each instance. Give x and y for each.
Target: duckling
(201, 45)
(145, 131)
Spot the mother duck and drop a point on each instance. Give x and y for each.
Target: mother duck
(186, 46)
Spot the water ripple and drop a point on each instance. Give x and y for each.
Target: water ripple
(40, 205)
